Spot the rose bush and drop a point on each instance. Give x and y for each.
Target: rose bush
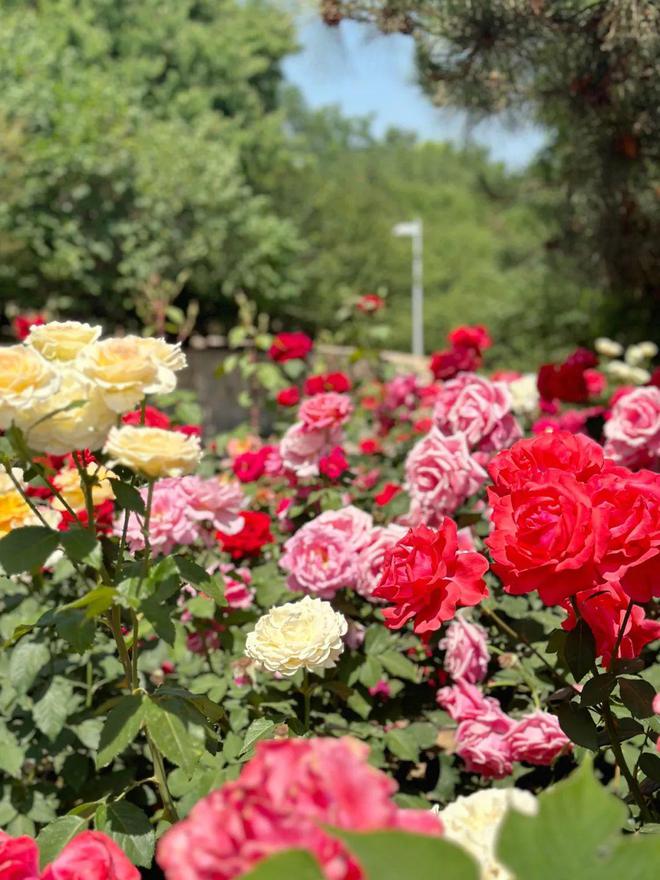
(202, 640)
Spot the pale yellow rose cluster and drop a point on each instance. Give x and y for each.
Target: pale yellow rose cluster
(633, 369)
(308, 634)
(67, 482)
(153, 452)
(65, 387)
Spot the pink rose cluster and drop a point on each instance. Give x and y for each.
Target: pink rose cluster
(489, 741)
(288, 797)
(185, 510)
(478, 410)
(440, 475)
(339, 549)
(466, 651)
(632, 433)
(316, 433)
(89, 856)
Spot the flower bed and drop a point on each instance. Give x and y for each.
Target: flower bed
(418, 625)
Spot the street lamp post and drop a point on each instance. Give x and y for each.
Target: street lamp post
(414, 230)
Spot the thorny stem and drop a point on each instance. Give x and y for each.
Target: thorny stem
(620, 635)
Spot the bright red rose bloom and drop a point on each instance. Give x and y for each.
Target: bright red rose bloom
(19, 858)
(290, 346)
(22, 324)
(249, 466)
(333, 465)
(153, 418)
(91, 856)
(288, 396)
(254, 535)
(476, 337)
(387, 493)
(370, 446)
(529, 459)
(327, 382)
(547, 536)
(370, 302)
(427, 577)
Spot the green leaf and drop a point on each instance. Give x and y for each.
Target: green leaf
(399, 666)
(78, 543)
(195, 574)
(637, 695)
(73, 626)
(12, 754)
(52, 710)
(580, 650)
(27, 549)
(172, 727)
(130, 829)
(597, 689)
(576, 836)
(127, 497)
(26, 662)
(258, 730)
(95, 602)
(649, 764)
(120, 729)
(391, 855)
(54, 837)
(578, 725)
(402, 743)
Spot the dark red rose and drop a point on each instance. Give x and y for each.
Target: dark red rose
(288, 396)
(476, 337)
(254, 535)
(582, 357)
(289, 346)
(334, 465)
(327, 382)
(103, 516)
(448, 363)
(249, 466)
(426, 578)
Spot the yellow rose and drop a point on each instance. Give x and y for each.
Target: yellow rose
(124, 370)
(308, 634)
(15, 512)
(68, 484)
(62, 340)
(59, 427)
(26, 379)
(153, 452)
(165, 354)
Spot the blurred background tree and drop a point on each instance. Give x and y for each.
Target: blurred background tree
(589, 72)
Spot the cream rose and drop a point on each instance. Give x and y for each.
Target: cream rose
(473, 822)
(73, 418)
(299, 635)
(153, 452)
(126, 369)
(68, 484)
(524, 394)
(26, 379)
(165, 354)
(62, 340)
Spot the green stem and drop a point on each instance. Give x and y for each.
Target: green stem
(620, 635)
(87, 492)
(161, 778)
(114, 619)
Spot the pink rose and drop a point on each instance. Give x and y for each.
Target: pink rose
(289, 795)
(537, 739)
(19, 858)
(372, 557)
(466, 651)
(355, 524)
(237, 586)
(319, 560)
(465, 702)
(633, 430)
(656, 704)
(217, 503)
(327, 410)
(91, 856)
(302, 449)
(478, 409)
(440, 475)
(169, 524)
(483, 749)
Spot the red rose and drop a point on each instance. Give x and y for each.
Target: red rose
(630, 503)
(189, 430)
(327, 382)
(103, 517)
(254, 535)
(529, 459)
(370, 446)
(573, 381)
(582, 357)
(387, 493)
(448, 363)
(655, 378)
(249, 466)
(427, 577)
(476, 337)
(370, 302)
(22, 324)
(288, 396)
(289, 346)
(333, 465)
(153, 418)
(547, 536)
(91, 855)
(19, 858)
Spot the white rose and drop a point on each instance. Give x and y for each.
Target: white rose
(524, 394)
(58, 426)
(62, 340)
(627, 374)
(608, 347)
(308, 634)
(26, 379)
(473, 822)
(640, 353)
(153, 452)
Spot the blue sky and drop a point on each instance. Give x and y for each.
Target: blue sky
(367, 73)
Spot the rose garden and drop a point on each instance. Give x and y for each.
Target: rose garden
(413, 630)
